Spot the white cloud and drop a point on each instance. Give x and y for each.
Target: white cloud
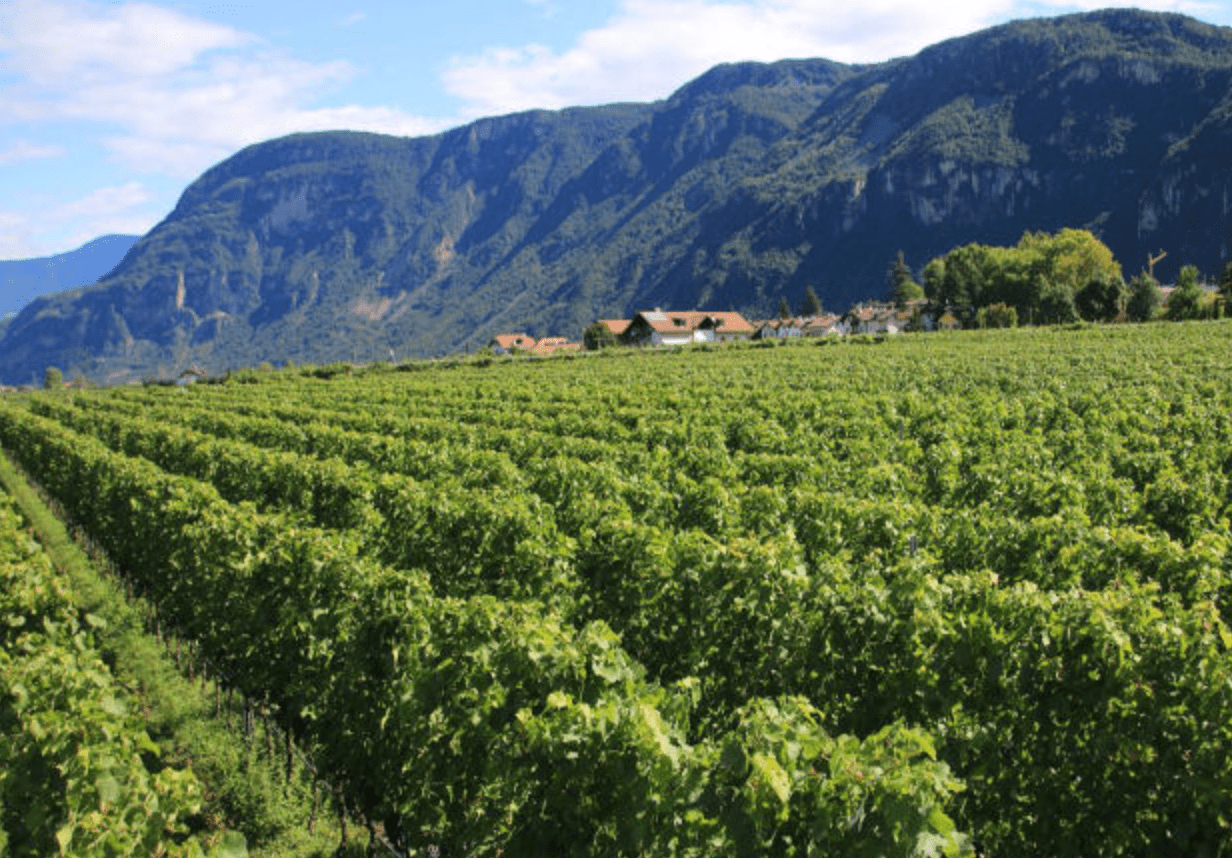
(122, 198)
(649, 48)
(16, 236)
(178, 93)
(68, 41)
(24, 150)
(130, 209)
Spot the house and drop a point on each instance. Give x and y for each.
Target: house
(504, 344)
(828, 325)
(922, 315)
(790, 329)
(189, 376)
(676, 328)
(616, 326)
(767, 330)
(552, 345)
(725, 327)
(877, 318)
(779, 329)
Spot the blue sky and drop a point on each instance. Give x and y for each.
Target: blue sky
(108, 109)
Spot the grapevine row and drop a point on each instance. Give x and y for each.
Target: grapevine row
(73, 776)
(460, 723)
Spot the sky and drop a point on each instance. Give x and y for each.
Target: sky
(109, 109)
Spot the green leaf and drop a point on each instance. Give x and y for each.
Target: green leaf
(64, 836)
(768, 771)
(108, 789)
(232, 845)
(112, 705)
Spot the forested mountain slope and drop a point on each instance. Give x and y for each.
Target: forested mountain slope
(750, 183)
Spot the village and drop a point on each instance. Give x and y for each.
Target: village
(660, 327)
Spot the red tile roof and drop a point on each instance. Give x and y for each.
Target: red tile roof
(616, 326)
(669, 322)
(513, 341)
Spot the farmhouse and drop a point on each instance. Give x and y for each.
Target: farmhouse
(552, 345)
(878, 318)
(671, 328)
(616, 326)
(778, 329)
(504, 344)
(828, 325)
(800, 326)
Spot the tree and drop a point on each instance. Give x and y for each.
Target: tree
(1101, 300)
(1225, 286)
(811, 305)
(1040, 277)
(784, 310)
(968, 271)
(1144, 298)
(999, 315)
(1056, 305)
(934, 280)
(1185, 302)
(1071, 258)
(903, 289)
(597, 336)
(53, 379)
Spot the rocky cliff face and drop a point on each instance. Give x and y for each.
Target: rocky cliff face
(750, 183)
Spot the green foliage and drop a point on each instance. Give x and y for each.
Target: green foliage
(934, 282)
(598, 336)
(1223, 303)
(1041, 277)
(1225, 282)
(811, 305)
(949, 591)
(1101, 300)
(1144, 299)
(747, 184)
(53, 379)
(1187, 299)
(73, 773)
(997, 316)
(903, 289)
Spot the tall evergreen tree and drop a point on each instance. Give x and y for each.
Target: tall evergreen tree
(811, 305)
(903, 288)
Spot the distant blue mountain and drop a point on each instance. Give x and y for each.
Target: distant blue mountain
(23, 280)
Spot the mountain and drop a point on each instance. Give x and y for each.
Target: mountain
(749, 183)
(23, 280)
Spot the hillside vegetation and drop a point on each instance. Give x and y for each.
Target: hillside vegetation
(748, 185)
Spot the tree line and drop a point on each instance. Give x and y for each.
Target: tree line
(1055, 279)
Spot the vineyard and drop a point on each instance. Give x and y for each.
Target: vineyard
(937, 595)
(72, 737)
